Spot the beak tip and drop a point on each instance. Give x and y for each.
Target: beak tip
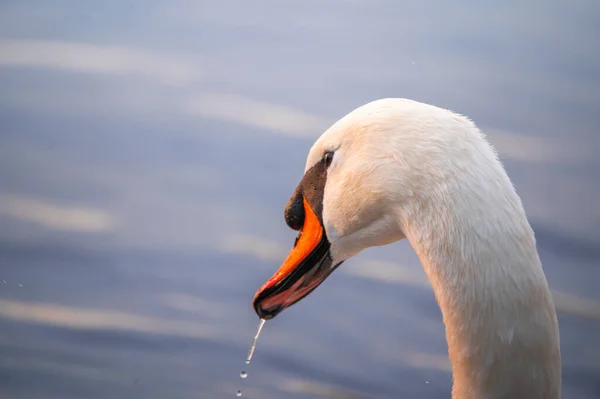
(266, 313)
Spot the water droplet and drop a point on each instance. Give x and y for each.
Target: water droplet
(251, 352)
(239, 393)
(243, 374)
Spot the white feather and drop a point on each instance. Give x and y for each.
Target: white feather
(406, 169)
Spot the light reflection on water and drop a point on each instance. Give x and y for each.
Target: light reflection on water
(147, 151)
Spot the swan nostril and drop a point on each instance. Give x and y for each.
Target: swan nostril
(297, 238)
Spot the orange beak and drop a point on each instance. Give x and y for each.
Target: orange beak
(306, 267)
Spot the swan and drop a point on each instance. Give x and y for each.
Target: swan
(397, 168)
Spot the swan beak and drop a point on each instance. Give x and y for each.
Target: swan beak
(306, 267)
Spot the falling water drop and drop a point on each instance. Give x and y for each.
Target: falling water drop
(251, 352)
(244, 373)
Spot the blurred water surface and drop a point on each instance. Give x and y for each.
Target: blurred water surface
(147, 150)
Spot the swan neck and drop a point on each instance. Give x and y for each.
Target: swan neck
(501, 326)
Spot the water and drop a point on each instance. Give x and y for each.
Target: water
(253, 347)
(244, 373)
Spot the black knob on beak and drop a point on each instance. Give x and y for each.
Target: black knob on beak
(294, 211)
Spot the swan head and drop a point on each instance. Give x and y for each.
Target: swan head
(364, 179)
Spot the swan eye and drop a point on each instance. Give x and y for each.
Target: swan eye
(327, 158)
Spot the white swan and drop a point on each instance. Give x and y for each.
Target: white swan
(394, 169)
